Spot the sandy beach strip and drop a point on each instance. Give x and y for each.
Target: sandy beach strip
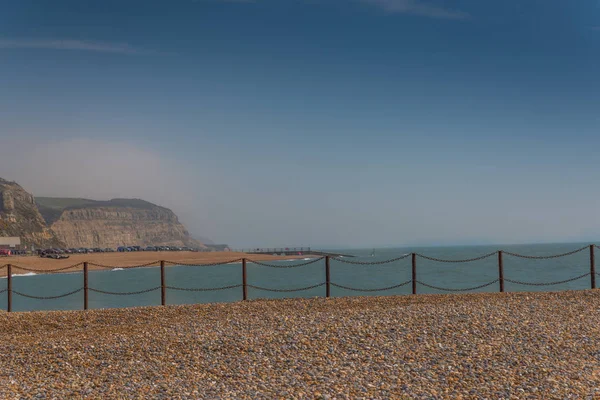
(495, 346)
(132, 259)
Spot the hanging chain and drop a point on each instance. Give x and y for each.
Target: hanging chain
(286, 290)
(467, 260)
(46, 270)
(203, 265)
(545, 257)
(372, 290)
(458, 290)
(547, 283)
(124, 293)
(203, 289)
(285, 266)
(150, 264)
(47, 297)
(342, 260)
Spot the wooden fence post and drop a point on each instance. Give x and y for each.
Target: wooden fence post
(85, 285)
(500, 271)
(244, 280)
(592, 267)
(327, 277)
(414, 273)
(163, 289)
(9, 288)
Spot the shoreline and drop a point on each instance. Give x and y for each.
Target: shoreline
(124, 260)
(483, 345)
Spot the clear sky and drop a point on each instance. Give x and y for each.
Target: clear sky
(313, 122)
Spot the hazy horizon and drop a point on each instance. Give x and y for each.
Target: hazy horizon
(342, 123)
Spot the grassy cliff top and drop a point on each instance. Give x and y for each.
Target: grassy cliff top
(63, 203)
(51, 208)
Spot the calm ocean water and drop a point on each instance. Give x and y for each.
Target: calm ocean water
(446, 275)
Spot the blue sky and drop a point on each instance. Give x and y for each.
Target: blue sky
(313, 122)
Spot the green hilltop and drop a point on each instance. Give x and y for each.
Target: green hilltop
(51, 208)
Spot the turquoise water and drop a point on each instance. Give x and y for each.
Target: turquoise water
(448, 275)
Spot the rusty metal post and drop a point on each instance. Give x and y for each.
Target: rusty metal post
(592, 267)
(163, 289)
(85, 285)
(327, 277)
(414, 273)
(9, 288)
(244, 280)
(500, 271)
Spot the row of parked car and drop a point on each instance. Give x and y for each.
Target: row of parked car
(84, 250)
(75, 251)
(154, 248)
(12, 252)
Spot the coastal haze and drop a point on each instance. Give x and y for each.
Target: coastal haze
(412, 123)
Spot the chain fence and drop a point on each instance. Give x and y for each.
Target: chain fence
(391, 260)
(237, 260)
(287, 290)
(328, 283)
(47, 297)
(467, 260)
(458, 289)
(546, 283)
(371, 290)
(204, 289)
(103, 266)
(46, 270)
(569, 253)
(124, 293)
(285, 265)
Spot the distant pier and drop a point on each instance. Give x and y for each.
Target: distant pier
(292, 251)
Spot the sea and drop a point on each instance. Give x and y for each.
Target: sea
(432, 275)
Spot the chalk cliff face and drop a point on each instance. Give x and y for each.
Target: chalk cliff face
(66, 222)
(118, 222)
(20, 217)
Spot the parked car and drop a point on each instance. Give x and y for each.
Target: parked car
(54, 255)
(4, 252)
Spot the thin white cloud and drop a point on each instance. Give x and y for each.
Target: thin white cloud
(425, 8)
(417, 7)
(56, 44)
(595, 28)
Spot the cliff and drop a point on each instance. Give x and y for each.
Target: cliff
(113, 223)
(19, 216)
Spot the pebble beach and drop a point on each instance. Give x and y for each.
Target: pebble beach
(478, 346)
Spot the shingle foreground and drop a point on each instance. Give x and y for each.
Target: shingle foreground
(494, 346)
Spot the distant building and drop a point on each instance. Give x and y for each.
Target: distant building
(10, 242)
